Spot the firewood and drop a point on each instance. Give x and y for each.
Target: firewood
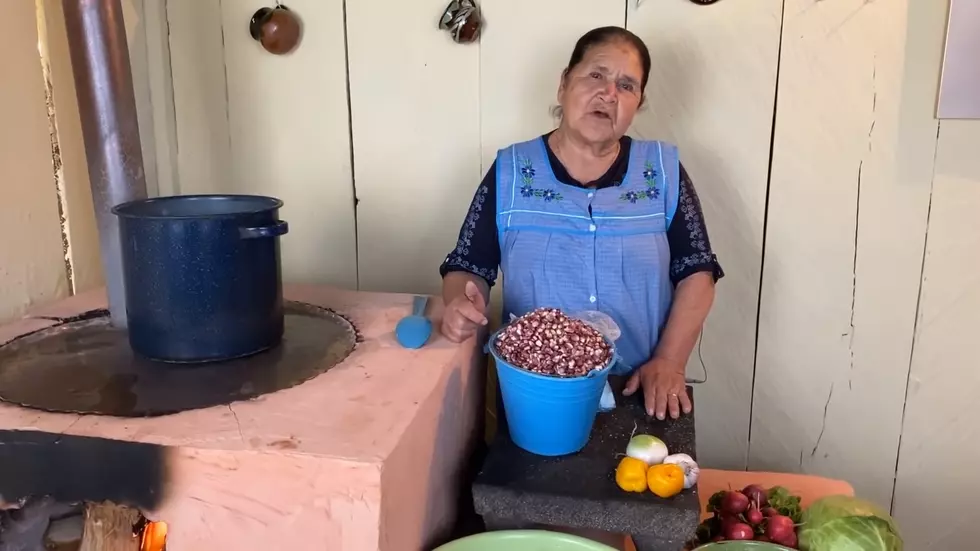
(109, 527)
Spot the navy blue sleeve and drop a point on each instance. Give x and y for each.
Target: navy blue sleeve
(690, 248)
(477, 249)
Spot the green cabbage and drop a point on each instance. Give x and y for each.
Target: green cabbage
(844, 523)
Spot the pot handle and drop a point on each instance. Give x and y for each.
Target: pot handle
(276, 230)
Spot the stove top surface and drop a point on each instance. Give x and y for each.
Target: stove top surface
(87, 366)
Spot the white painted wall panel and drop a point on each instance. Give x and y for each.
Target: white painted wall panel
(415, 107)
(161, 93)
(197, 64)
(937, 474)
(290, 136)
(711, 92)
(853, 155)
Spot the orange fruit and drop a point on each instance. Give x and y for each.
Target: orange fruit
(665, 480)
(631, 475)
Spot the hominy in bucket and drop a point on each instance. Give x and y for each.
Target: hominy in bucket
(548, 342)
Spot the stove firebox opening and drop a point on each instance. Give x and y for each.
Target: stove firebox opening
(76, 493)
(43, 524)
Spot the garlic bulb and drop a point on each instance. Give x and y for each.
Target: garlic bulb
(686, 462)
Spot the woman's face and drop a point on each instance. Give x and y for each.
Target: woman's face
(600, 95)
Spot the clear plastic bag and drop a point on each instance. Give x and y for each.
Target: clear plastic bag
(599, 321)
(609, 329)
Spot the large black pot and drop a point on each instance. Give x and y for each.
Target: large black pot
(202, 275)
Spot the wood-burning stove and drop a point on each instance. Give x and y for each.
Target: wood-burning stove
(368, 455)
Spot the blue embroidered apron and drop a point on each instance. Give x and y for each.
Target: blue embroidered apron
(581, 249)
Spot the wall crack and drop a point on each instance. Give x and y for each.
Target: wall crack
(857, 218)
(854, 262)
(823, 426)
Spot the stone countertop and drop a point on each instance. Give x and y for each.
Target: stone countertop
(579, 490)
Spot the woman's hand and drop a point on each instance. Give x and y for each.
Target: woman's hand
(664, 388)
(464, 314)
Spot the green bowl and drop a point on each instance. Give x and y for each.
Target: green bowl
(524, 540)
(742, 546)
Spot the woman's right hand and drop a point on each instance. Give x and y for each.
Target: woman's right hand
(464, 314)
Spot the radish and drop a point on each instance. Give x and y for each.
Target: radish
(763, 538)
(739, 531)
(753, 516)
(769, 511)
(779, 527)
(734, 503)
(756, 494)
(727, 521)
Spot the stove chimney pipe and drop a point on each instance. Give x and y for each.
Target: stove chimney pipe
(107, 104)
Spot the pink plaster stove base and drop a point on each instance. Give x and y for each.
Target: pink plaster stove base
(367, 456)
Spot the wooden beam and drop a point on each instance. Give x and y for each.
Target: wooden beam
(109, 527)
(33, 266)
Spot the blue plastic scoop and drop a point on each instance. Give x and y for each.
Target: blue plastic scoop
(413, 331)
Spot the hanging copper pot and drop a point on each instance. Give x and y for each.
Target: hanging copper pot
(278, 29)
(463, 20)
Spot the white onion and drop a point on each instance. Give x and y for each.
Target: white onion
(686, 462)
(648, 449)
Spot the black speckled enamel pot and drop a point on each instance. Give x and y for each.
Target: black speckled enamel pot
(203, 276)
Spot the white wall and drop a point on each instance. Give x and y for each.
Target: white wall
(853, 247)
(849, 197)
(937, 459)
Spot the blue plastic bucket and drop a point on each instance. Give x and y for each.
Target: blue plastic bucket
(549, 415)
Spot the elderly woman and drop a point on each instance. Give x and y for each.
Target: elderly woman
(586, 218)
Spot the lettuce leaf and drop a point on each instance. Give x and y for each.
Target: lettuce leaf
(786, 503)
(851, 534)
(844, 523)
